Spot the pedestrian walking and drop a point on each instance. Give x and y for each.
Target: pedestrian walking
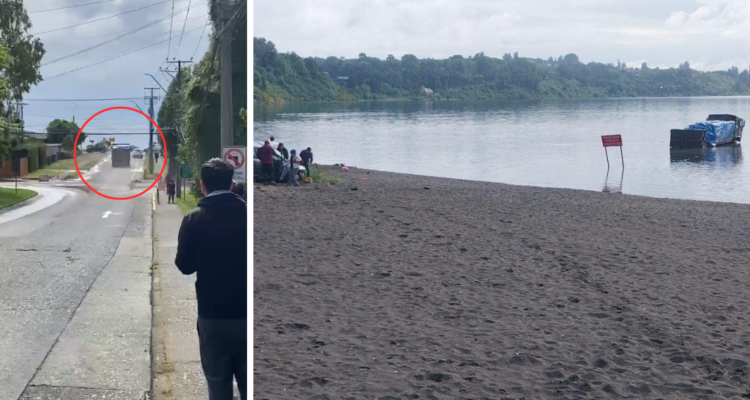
(294, 163)
(171, 189)
(212, 243)
(307, 159)
(265, 154)
(284, 152)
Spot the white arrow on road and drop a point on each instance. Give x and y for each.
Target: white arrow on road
(106, 214)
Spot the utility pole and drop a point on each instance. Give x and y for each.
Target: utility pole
(225, 41)
(151, 99)
(19, 110)
(178, 128)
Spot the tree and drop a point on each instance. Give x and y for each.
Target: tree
(4, 127)
(68, 143)
(25, 51)
(58, 129)
(644, 66)
(571, 59)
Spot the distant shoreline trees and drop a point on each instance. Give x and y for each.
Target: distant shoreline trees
(287, 77)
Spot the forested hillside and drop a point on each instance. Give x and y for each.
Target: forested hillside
(282, 77)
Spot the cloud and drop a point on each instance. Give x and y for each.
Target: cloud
(123, 77)
(664, 32)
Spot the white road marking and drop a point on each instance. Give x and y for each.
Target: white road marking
(106, 214)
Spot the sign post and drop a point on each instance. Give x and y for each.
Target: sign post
(236, 156)
(613, 141)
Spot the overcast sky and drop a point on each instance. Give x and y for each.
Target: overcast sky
(119, 78)
(710, 34)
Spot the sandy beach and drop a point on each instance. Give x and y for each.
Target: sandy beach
(427, 288)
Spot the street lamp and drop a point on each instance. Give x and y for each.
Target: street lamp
(136, 104)
(157, 82)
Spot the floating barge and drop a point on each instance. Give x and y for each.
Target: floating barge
(717, 130)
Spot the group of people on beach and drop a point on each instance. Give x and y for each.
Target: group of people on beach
(266, 152)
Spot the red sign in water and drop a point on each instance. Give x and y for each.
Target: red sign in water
(612, 140)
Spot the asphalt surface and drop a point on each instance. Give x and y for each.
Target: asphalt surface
(74, 293)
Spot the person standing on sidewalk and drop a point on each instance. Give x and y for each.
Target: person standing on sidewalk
(265, 154)
(213, 244)
(171, 189)
(307, 159)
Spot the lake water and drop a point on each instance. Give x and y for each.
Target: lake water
(551, 143)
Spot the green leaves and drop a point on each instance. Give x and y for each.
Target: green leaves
(25, 51)
(60, 129)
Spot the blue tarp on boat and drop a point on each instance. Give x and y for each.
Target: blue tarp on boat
(717, 132)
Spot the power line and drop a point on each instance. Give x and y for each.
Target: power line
(114, 58)
(100, 19)
(73, 6)
(170, 31)
(199, 41)
(183, 29)
(240, 8)
(138, 29)
(65, 100)
(119, 32)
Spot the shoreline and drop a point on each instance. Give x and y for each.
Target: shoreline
(435, 287)
(408, 99)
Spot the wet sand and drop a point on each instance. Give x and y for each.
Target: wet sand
(470, 290)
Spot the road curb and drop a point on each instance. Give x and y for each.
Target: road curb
(20, 204)
(161, 369)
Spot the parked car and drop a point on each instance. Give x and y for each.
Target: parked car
(280, 166)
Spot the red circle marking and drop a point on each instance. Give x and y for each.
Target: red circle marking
(239, 157)
(75, 158)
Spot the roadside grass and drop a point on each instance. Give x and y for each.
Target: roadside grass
(9, 197)
(318, 176)
(66, 168)
(187, 203)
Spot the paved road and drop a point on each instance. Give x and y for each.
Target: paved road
(75, 314)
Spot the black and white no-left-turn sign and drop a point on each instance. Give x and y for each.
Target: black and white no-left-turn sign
(236, 156)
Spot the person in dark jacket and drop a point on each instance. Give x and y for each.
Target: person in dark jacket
(239, 189)
(284, 152)
(265, 154)
(212, 243)
(171, 189)
(307, 159)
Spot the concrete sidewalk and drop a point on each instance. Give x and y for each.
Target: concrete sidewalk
(103, 350)
(177, 368)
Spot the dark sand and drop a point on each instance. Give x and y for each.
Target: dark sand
(472, 290)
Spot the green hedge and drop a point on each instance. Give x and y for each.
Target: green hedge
(42, 151)
(37, 155)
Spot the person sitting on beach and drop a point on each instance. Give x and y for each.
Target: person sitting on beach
(265, 154)
(284, 152)
(294, 163)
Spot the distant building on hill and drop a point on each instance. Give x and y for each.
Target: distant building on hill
(427, 91)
